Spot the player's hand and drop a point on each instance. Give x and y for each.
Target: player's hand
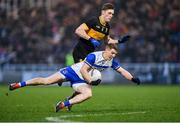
(95, 42)
(95, 83)
(136, 80)
(124, 38)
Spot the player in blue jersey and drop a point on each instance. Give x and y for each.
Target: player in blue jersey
(78, 75)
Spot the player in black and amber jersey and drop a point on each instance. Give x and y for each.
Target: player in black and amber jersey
(92, 32)
(95, 32)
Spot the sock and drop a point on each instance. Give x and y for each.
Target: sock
(22, 84)
(66, 103)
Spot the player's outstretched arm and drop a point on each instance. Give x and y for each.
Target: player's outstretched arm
(125, 73)
(111, 41)
(122, 39)
(128, 75)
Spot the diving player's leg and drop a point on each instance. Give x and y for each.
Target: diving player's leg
(84, 93)
(70, 97)
(78, 56)
(56, 77)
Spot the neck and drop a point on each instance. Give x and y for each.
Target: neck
(105, 56)
(102, 21)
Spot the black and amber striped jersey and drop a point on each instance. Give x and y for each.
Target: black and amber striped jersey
(95, 30)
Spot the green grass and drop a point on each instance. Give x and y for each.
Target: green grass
(109, 103)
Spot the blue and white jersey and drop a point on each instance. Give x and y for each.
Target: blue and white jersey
(96, 61)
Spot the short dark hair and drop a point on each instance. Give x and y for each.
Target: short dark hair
(107, 6)
(112, 46)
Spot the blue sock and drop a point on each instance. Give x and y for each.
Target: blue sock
(23, 84)
(67, 103)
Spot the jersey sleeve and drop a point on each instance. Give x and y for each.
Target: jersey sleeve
(90, 59)
(91, 22)
(115, 64)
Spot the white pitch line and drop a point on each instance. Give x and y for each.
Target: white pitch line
(103, 114)
(62, 117)
(58, 119)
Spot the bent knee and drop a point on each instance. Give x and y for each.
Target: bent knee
(89, 94)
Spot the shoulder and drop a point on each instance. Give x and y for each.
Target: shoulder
(115, 60)
(95, 54)
(90, 59)
(98, 52)
(92, 20)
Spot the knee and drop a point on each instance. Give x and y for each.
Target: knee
(44, 81)
(88, 94)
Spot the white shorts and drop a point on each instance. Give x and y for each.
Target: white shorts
(75, 86)
(64, 78)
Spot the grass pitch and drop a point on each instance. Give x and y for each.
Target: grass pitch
(109, 103)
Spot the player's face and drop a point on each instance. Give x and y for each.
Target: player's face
(112, 53)
(108, 14)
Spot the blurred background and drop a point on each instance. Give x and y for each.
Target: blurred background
(37, 37)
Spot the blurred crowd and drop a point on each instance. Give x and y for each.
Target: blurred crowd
(39, 35)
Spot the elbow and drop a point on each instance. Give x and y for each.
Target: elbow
(83, 72)
(77, 31)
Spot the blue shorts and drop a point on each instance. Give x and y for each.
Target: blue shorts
(71, 75)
